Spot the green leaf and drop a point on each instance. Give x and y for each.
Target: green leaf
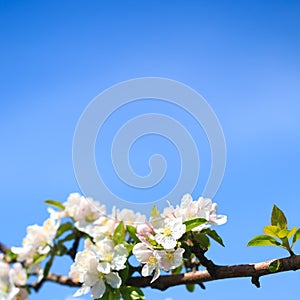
(37, 258)
(187, 253)
(190, 287)
(119, 234)
(48, 266)
(61, 249)
(69, 237)
(283, 233)
(292, 232)
(271, 230)
(191, 224)
(154, 211)
(131, 293)
(124, 273)
(296, 236)
(63, 228)
(177, 270)
(203, 240)
(274, 266)
(213, 234)
(10, 256)
(55, 203)
(132, 232)
(263, 240)
(278, 218)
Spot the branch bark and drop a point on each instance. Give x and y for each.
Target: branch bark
(254, 271)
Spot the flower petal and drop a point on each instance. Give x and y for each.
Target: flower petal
(113, 279)
(98, 289)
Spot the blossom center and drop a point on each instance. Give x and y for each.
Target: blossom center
(167, 231)
(108, 257)
(169, 256)
(152, 260)
(90, 217)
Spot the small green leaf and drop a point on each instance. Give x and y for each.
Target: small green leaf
(119, 234)
(263, 240)
(37, 258)
(187, 253)
(132, 232)
(278, 218)
(271, 230)
(177, 270)
(63, 228)
(154, 211)
(296, 236)
(203, 240)
(61, 249)
(283, 233)
(10, 256)
(292, 232)
(55, 203)
(213, 234)
(69, 237)
(190, 287)
(274, 266)
(191, 224)
(131, 293)
(124, 273)
(48, 266)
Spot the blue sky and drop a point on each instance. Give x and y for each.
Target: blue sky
(242, 57)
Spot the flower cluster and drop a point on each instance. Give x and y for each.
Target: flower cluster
(159, 248)
(11, 279)
(38, 241)
(159, 243)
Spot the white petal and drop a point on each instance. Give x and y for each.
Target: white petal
(186, 200)
(156, 274)
(147, 269)
(82, 291)
(103, 267)
(141, 252)
(120, 250)
(98, 289)
(113, 279)
(177, 261)
(220, 220)
(169, 242)
(118, 263)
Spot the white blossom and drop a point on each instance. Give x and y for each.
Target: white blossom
(93, 274)
(169, 260)
(38, 240)
(9, 279)
(146, 256)
(172, 230)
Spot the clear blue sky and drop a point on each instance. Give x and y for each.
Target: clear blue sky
(243, 57)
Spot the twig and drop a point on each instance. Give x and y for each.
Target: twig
(254, 271)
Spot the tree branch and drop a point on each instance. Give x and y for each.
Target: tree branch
(254, 271)
(3, 248)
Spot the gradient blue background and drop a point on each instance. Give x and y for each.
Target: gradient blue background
(243, 57)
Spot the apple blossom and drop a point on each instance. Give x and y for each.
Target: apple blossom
(38, 240)
(172, 230)
(146, 256)
(170, 259)
(93, 274)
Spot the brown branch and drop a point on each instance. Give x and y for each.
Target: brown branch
(254, 271)
(73, 250)
(3, 248)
